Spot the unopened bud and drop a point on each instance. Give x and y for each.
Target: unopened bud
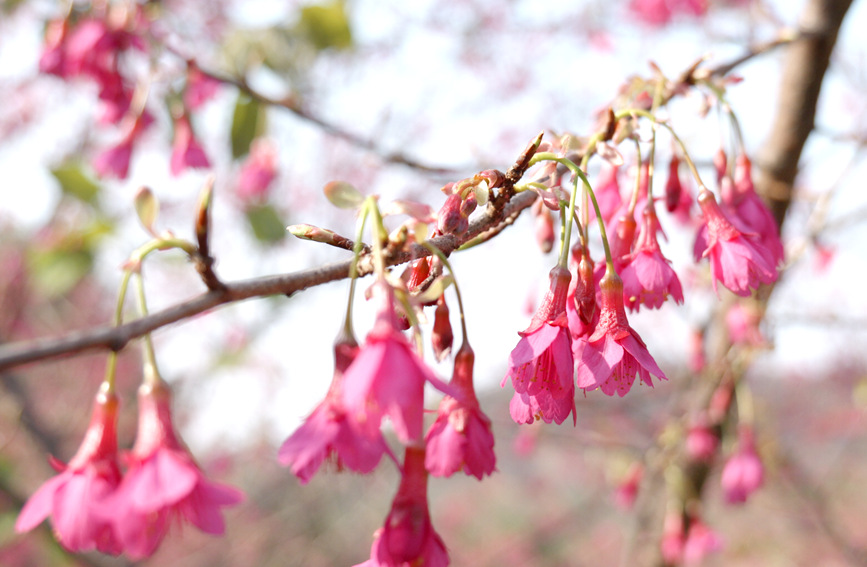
(442, 336)
(146, 208)
(673, 187)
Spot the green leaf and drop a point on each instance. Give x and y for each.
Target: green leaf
(248, 122)
(55, 272)
(343, 195)
(75, 183)
(326, 26)
(267, 225)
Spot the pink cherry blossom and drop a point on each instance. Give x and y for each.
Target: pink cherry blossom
(742, 322)
(73, 499)
(461, 436)
(328, 433)
(163, 483)
(540, 366)
(614, 354)
(581, 312)
(701, 441)
(200, 87)
(627, 488)
(743, 473)
(749, 211)
(700, 542)
(387, 377)
(607, 190)
(408, 539)
(186, 150)
(258, 171)
(648, 278)
(442, 335)
(114, 162)
(737, 259)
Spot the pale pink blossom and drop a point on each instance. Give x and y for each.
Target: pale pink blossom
(742, 322)
(540, 365)
(328, 434)
(200, 87)
(614, 354)
(738, 260)
(648, 278)
(186, 150)
(408, 538)
(163, 484)
(387, 377)
(627, 489)
(461, 437)
(114, 161)
(258, 171)
(607, 191)
(701, 441)
(743, 473)
(700, 542)
(74, 498)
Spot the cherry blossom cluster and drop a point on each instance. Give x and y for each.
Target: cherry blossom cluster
(96, 503)
(108, 44)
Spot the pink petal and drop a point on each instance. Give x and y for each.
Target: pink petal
(40, 505)
(161, 480)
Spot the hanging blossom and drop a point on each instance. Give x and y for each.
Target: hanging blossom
(328, 433)
(737, 259)
(74, 498)
(614, 354)
(540, 365)
(581, 312)
(114, 161)
(743, 473)
(748, 209)
(186, 150)
(648, 278)
(408, 539)
(387, 377)
(461, 436)
(258, 171)
(163, 483)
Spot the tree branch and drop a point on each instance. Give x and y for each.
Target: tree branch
(116, 338)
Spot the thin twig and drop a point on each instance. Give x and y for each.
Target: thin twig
(116, 338)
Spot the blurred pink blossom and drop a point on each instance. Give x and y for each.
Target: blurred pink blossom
(258, 171)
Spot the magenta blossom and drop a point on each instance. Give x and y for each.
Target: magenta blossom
(200, 87)
(540, 366)
(258, 171)
(612, 357)
(73, 498)
(743, 473)
(163, 483)
(737, 259)
(648, 278)
(746, 207)
(114, 161)
(461, 436)
(581, 312)
(387, 377)
(186, 150)
(701, 441)
(408, 539)
(327, 433)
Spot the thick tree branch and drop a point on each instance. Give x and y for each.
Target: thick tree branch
(116, 338)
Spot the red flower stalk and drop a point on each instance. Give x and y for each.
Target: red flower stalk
(737, 259)
(328, 433)
(648, 278)
(387, 377)
(743, 473)
(163, 482)
(540, 365)
(186, 150)
(612, 357)
(408, 539)
(461, 436)
(74, 498)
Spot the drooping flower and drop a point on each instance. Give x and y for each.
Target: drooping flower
(186, 150)
(114, 161)
(258, 171)
(540, 366)
(737, 259)
(328, 433)
(607, 190)
(614, 354)
(73, 499)
(701, 442)
(163, 482)
(627, 488)
(743, 473)
(742, 323)
(461, 436)
(581, 312)
(408, 538)
(700, 542)
(200, 87)
(744, 205)
(648, 278)
(387, 377)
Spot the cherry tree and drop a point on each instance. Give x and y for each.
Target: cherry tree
(246, 138)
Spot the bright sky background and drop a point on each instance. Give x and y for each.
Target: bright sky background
(288, 366)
